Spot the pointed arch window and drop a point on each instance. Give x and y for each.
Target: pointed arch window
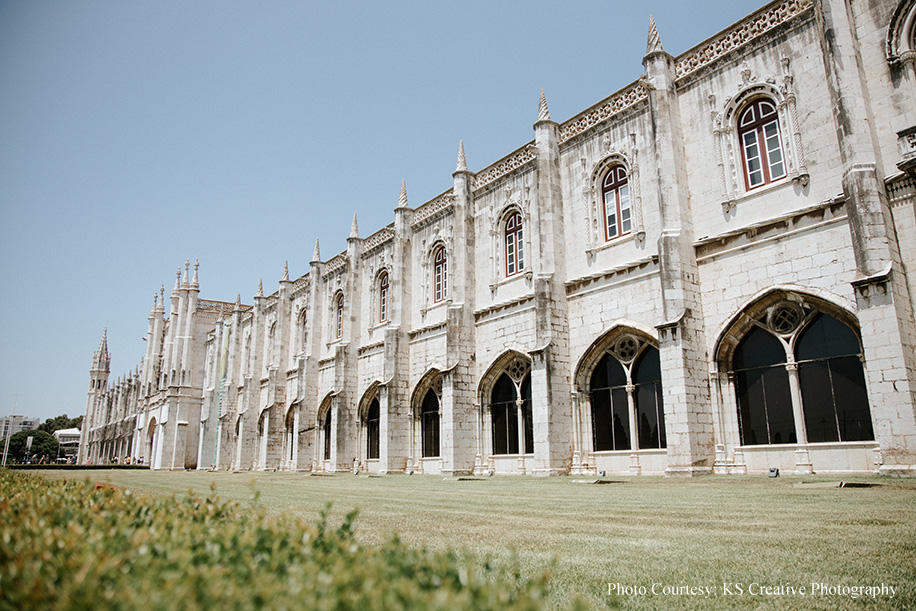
(824, 356)
(515, 244)
(372, 430)
(440, 274)
(509, 411)
(429, 422)
(615, 193)
(326, 433)
(383, 297)
(832, 382)
(626, 398)
(303, 331)
(338, 320)
(761, 143)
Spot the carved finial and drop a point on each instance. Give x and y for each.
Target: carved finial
(402, 196)
(316, 256)
(285, 271)
(462, 162)
(184, 281)
(196, 266)
(354, 230)
(260, 292)
(543, 113)
(655, 43)
(238, 303)
(177, 283)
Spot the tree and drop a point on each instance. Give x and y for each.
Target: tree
(43, 444)
(60, 422)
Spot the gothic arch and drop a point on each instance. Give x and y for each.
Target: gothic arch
(735, 328)
(431, 380)
(499, 366)
(900, 46)
(372, 392)
(605, 343)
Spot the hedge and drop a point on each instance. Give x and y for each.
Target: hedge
(67, 545)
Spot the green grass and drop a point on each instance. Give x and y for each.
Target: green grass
(700, 532)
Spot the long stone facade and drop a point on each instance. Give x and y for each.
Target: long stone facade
(709, 271)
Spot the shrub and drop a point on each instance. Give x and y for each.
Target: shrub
(67, 545)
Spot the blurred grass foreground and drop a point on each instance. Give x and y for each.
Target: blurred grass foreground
(69, 544)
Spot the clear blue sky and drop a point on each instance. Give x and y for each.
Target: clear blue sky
(135, 135)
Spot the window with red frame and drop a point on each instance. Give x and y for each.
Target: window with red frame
(440, 275)
(615, 191)
(383, 297)
(515, 245)
(340, 308)
(761, 144)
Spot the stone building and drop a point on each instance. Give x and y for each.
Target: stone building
(708, 271)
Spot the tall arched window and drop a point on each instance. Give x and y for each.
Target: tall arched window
(630, 372)
(383, 297)
(615, 192)
(762, 383)
(440, 275)
(505, 411)
(303, 331)
(372, 430)
(339, 309)
(326, 433)
(515, 245)
(761, 143)
(833, 382)
(429, 422)
(824, 356)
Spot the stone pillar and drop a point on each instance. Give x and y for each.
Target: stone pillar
(884, 308)
(550, 407)
(688, 417)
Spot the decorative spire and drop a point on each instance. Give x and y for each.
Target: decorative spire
(194, 283)
(402, 196)
(238, 303)
(316, 256)
(184, 281)
(162, 297)
(543, 113)
(260, 292)
(285, 277)
(655, 43)
(462, 162)
(177, 283)
(354, 230)
(101, 359)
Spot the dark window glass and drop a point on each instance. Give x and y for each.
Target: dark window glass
(833, 383)
(326, 429)
(650, 412)
(610, 410)
(504, 415)
(526, 414)
(429, 416)
(764, 402)
(372, 429)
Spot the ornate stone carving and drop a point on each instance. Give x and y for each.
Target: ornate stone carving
(519, 158)
(742, 33)
(632, 94)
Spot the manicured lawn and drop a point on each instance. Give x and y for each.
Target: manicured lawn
(705, 532)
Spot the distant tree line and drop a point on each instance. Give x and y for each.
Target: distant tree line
(44, 445)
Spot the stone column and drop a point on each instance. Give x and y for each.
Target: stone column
(688, 417)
